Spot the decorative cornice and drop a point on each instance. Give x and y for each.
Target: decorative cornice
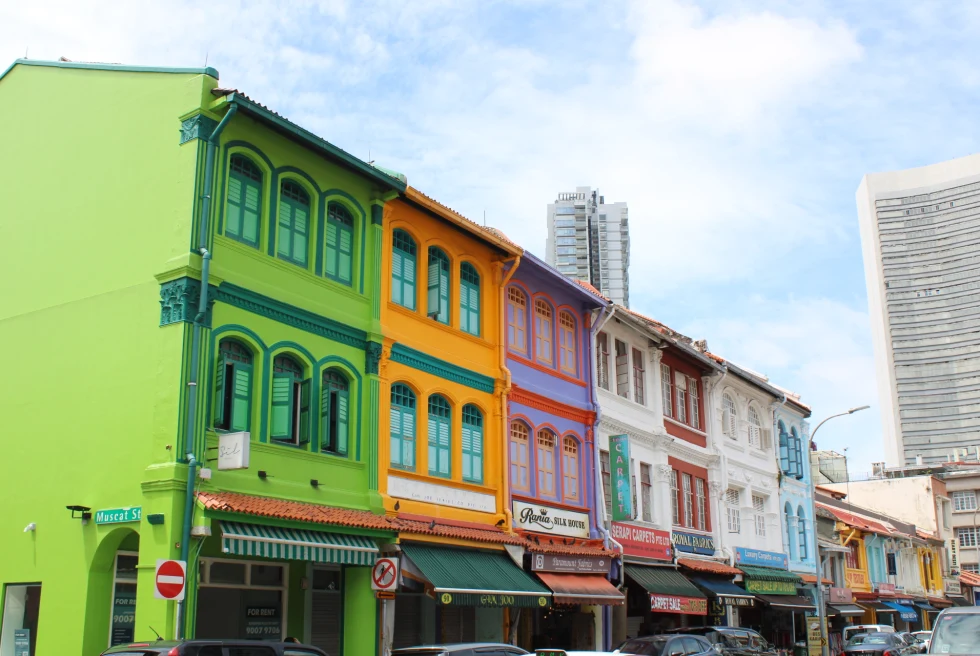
(377, 214)
(544, 404)
(198, 126)
(179, 299)
(291, 315)
(372, 357)
(447, 370)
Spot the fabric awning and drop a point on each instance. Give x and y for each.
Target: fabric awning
(297, 544)
(877, 606)
(770, 574)
(468, 577)
(721, 588)
(847, 610)
(907, 613)
(578, 589)
(924, 605)
(663, 580)
(787, 601)
(957, 601)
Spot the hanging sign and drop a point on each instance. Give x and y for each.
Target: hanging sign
(619, 477)
(693, 543)
(234, 450)
(570, 564)
(660, 603)
(547, 519)
(841, 596)
(761, 558)
(642, 541)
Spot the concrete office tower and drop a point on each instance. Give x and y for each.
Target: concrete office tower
(589, 239)
(920, 230)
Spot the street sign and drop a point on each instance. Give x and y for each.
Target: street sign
(118, 515)
(384, 574)
(170, 580)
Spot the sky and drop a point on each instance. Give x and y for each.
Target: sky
(736, 131)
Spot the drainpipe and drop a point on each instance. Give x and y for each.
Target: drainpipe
(202, 308)
(502, 346)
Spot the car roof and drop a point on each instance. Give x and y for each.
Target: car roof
(456, 646)
(163, 646)
(962, 610)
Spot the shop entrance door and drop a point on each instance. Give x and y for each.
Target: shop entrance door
(21, 604)
(328, 608)
(241, 599)
(123, 621)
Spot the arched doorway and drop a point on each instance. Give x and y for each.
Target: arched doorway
(110, 609)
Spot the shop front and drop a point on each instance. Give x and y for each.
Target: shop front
(715, 579)
(841, 612)
(780, 612)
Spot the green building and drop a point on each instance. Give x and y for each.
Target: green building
(124, 188)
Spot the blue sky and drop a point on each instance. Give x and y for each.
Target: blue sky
(737, 131)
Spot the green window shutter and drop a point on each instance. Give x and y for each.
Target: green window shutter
(325, 425)
(408, 438)
(469, 307)
(472, 442)
(285, 229)
(236, 207)
(346, 259)
(395, 432)
(443, 296)
(332, 254)
(300, 227)
(241, 402)
(439, 445)
(244, 201)
(294, 214)
(282, 408)
(467, 439)
(397, 268)
(342, 421)
(251, 213)
(219, 392)
(444, 448)
(408, 281)
(477, 455)
(433, 446)
(304, 412)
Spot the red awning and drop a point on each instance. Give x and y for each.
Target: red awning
(582, 589)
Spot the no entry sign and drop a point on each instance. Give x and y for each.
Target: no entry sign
(170, 580)
(384, 575)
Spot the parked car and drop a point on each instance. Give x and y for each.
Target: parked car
(956, 632)
(667, 645)
(923, 637)
(850, 631)
(877, 644)
(732, 641)
(461, 649)
(213, 648)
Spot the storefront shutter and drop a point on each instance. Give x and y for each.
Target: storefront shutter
(408, 622)
(326, 621)
(458, 624)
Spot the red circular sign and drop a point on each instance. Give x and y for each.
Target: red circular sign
(170, 579)
(384, 573)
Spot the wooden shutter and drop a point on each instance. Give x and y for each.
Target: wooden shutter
(408, 281)
(241, 400)
(304, 412)
(395, 428)
(444, 447)
(325, 418)
(342, 421)
(300, 229)
(432, 306)
(443, 295)
(345, 254)
(331, 253)
(251, 213)
(282, 406)
(784, 450)
(397, 271)
(219, 392)
(285, 228)
(233, 220)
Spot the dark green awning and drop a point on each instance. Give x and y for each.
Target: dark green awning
(468, 577)
(770, 574)
(663, 580)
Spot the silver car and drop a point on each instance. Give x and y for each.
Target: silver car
(957, 632)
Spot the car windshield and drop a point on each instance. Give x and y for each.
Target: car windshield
(653, 647)
(869, 639)
(956, 634)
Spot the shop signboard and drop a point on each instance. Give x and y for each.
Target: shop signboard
(619, 477)
(234, 450)
(953, 587)
(814, 638)
(886, 588)
(263, 623)
(570, 564)
(761, 558)
(641, 541)
(855, 578)
(770, 587)
(841, 596)
(441, 495)
(693, 543)
(118, 515)
(548, 519)
(661, 603)
(492, 600)
(22, 642)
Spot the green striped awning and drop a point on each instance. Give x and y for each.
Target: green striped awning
(770, 574)
(664, 581)
(297, 544)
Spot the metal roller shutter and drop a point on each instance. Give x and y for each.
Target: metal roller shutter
(327, 621)
(408, 621)
(458, 624)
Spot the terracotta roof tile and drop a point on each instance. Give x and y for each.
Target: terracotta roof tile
(297, 511)
(861, 522)
(488, 234)
(812, 578)
(708, 566)
(579, 548)
(489, 534)
(971, 579)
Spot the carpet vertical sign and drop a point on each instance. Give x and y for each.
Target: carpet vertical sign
(619, 478)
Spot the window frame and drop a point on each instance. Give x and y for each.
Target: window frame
(246, 181)
(802, 541)
(646, 491)
(759, 506)
(687, 489)
(228, 398)
(470, 300)
(404, 441)
(638, 362)
(605, 469)
(473, 457)
(517, 319)
(567, 343)
(675, 503)
(681, 391)
(729, 416)
(701, 498)
(545, 462)
(439, 288)
(733, 510)
(622, 368)
(335, 428)
(298, 387)
(341, 220)
(293, 204)
(439, 447)
(570, 464)
(602, 360)
(973, 532)
(399, 280)
(544, 327)
(962, 495)
(667, 390)
(517, 438)
(694, 398)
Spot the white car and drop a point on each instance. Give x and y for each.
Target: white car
(925, 637)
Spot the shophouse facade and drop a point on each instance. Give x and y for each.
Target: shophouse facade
(791, 433)
(241, 301)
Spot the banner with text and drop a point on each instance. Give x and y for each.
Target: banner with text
(619, 477)
(641, 541)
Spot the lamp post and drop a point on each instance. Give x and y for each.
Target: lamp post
(821, 610)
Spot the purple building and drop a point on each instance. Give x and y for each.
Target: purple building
(552, 456)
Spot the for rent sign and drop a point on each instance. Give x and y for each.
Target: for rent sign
(642, 541)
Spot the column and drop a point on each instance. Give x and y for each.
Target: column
(656, 388)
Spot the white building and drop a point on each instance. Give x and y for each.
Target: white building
(588, 239)
(920, 230)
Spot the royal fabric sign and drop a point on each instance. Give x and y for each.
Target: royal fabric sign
(641, 541)
(619, 477)
(660, 603)
(761, 558)
(693, 543)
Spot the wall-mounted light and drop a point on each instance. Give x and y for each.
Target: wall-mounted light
(263, 474)
(30, 528)
(314, 482)
(84, 513)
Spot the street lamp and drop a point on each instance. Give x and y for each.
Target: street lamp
(821, 610)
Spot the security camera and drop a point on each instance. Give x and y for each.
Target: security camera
(30, 528)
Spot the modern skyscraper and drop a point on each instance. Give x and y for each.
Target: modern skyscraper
(589, 239)
(920, 230)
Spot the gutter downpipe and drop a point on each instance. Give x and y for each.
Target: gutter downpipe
(600, 502)
(202, 308)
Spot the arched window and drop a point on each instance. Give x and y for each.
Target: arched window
(469, 299)
(294, 223)
(801, 529)
(546, 462)
(403, 269)
(755, 428)
(339, 247)
(542, 332)
(472, 444)
(290, 418)
(438, 302)
(402, 427)
(516, 320)
(233, 386)
(566, 342)
(334, 413)
(795, 454)
(519, 476)
(790, 531)
(783, 448)
(569, 467)
(243, 213)
(729, 417)
(440, 440)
